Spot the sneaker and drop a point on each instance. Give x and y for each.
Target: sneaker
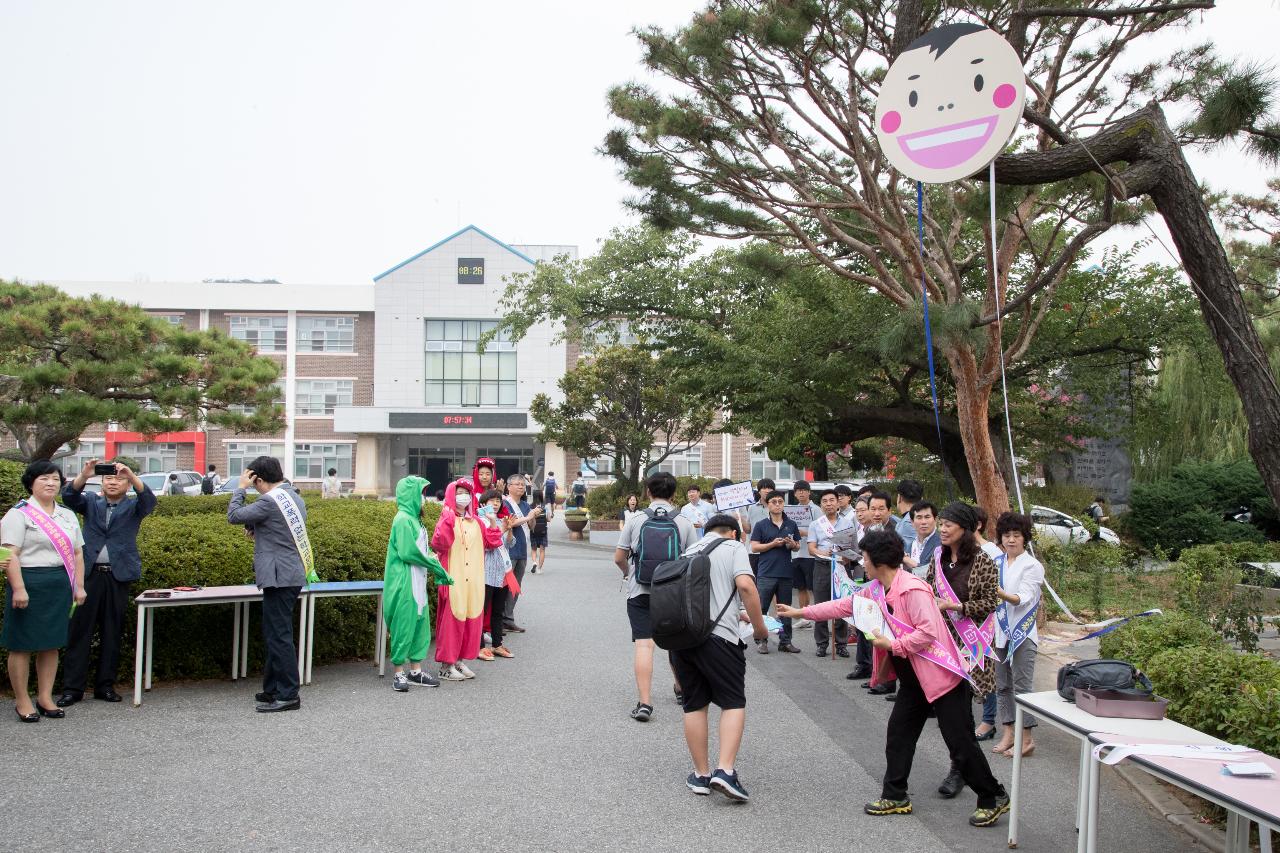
(802, 624)
(762, 646)
(512, 627)
(988, 817)
(699, 784)
(533, 569)
(641, 713)
(486, 654)
(502, 652)
(422, 678)
(729, 785)
(451, 673)
(859, 673)
(400, 683)
(822, 653)
(464, 669)
(887, 807)
(841, 651)
(788, 647)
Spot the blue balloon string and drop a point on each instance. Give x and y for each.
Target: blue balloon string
(928, 332)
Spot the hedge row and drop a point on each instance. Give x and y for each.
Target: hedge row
(607, 501)
(188, 542)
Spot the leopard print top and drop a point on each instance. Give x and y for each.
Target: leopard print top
(984, 580)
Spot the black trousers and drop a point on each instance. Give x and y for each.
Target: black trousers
(495, 602)
(775, 589)
(955, 720)
(821, 593)
(280, 671)
(106, 600)
(509, 607)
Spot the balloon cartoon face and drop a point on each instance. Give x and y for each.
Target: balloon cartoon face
(949, 103)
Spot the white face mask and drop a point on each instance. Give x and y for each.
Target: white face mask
(462, 499)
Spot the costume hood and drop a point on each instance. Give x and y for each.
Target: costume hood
(482, 462)
(409, 495)
(450, 510)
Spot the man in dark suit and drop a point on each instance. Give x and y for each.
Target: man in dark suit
(111, 522)
(279, 571)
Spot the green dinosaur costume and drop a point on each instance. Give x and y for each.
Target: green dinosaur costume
(404, 578)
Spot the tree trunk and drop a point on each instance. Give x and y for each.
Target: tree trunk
(973, 399)
(821, 467)
(852, 423)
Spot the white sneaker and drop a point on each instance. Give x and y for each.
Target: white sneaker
(801, 624)
(462, 668)
(486, 639)
(451, 673)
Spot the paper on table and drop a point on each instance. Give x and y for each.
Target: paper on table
(1121, 751)
(1255, 769)
(867, 617)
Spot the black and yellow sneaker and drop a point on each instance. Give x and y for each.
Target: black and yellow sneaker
(886, 807)
(988, 817)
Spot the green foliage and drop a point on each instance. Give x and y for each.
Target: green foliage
(1186, 507)
(75, 362)
(11, 490)
(1207, 576)
(1232, 696)
(1142, 639)
(607, 501)
(1098, 581)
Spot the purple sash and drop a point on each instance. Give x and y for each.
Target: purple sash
(942, 651)
(61, 542)
(977, 639)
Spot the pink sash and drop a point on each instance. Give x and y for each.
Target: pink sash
(942, 651)
(61, 542)
(977, 639)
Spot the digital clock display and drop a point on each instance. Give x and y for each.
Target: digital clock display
(470, 270)
(457, 420)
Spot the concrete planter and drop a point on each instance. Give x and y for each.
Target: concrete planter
(604, 531)
(576, 524)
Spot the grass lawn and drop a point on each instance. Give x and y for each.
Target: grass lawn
(1122, 593)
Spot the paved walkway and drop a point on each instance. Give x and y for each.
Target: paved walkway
(535, 754)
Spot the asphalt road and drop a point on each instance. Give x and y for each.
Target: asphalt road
(537, 753)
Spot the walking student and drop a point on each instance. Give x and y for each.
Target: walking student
(822, 532)
(654, 536)
(802, 565)
(282, 563)
(111, 522)
(538, 541)
(549, 494)
(920, 653)
(404, 579)
(774, 539)
(716, 670)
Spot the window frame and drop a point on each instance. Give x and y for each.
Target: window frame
(342, 321)
(326, 411)
(280, 331)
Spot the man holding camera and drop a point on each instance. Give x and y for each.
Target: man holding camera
(112, 564)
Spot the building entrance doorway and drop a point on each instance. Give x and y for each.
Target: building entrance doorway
(509, 460)
(440, 465)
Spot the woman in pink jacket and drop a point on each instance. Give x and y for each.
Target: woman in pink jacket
(921, 653)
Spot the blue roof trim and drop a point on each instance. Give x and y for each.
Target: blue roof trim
(458, 233)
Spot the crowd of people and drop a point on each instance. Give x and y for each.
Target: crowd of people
(959, 618)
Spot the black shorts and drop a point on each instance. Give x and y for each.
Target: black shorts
(538, 541)
(802, 573)
(638, 613)
(715, 671)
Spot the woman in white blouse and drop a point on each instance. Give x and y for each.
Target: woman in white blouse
(1017, 638)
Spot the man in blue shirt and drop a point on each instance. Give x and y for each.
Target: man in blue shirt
(774, 538)
(521, 517)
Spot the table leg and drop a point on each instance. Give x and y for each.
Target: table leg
(235, 641)
(244, 641)
(1264, 838)
(1091, 844)
(381, 642)
(311, 637)
(141, 628)
(1015, 784)
(1082, 773)
(151, 635)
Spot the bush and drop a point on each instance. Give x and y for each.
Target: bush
(608, 500)
(1186, 508)
(11, 490)
(1232, 696)
(190, 543)
(1206, 586)
(1142, 639)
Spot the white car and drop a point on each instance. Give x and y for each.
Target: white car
(1053, 526)
(189, 481)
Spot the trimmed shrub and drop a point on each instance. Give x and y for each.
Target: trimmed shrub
(11, 490)
(1142, 639)
(1223, 693)
(608, 500)
(1206, 578)
(1186, 508)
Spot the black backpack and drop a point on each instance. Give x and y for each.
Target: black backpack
(1119, 675)
(659, 543)
(680, 601)
(206, 485)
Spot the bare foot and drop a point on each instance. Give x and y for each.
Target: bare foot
(1005, 745)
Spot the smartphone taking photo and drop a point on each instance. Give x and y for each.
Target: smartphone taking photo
(103, 469)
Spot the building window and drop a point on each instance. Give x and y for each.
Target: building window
(601, 466)
(171, 319)
(763, 466)
(313, 461)
(686, 464)
(152, 457)
(268, 334)
(326, 334)
(242, 409)
(319, 396)
(240, 453)
(457, 375)
(510, 460)
(73, 464)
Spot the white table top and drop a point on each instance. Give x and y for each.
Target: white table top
(1068, 716)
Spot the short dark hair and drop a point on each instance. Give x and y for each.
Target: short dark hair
(267, 469)
(1099, 498)
(919, 505)
(910, 490)
(722, 521)
(213, 467)
(884, 547)
(864, 490)
(775, 494)
(661, 485)
(173, 476)
(490, 494)
(828, 493)
(694, 488)
(38, 468)
(843, 491)
(802, 486)
(765, 483)
(983, 518)
(333, 471)
(1011, 522)
(940, 39)
(878, 496)
(721, 483)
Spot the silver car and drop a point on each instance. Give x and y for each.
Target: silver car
(188, 481)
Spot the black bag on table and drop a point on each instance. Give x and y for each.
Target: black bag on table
(1102, 674)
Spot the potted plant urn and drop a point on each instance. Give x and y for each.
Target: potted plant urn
(576, 520)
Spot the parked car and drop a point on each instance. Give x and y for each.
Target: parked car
(159, 482)
(1053, 526)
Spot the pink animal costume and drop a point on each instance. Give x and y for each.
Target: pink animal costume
(460, 542)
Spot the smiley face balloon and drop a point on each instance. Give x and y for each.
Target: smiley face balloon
(949, 103)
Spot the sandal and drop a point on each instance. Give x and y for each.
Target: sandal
(486, 654)
(502, 652)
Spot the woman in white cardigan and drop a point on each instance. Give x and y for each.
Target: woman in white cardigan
(1017, 638)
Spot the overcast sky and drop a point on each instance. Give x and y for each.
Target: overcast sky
(327, 142)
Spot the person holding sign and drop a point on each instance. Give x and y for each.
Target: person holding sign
(282, 563)
(1017, 639)
(774, 538)
(919, 651)
(45, 574)
(821, 543)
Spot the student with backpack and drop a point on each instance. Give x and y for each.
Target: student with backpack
(698, 607)
(210, 482)
(658, 535)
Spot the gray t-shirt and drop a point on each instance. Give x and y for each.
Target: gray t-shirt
(629, 541)
(756, 513)
(803, 552)
(728, 561)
